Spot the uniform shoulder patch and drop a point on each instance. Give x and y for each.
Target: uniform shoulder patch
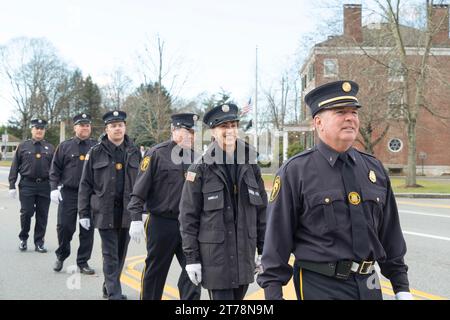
(145, 163)
(275, 189)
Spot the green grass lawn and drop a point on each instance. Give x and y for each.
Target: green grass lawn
(5, 163)
(429, 186)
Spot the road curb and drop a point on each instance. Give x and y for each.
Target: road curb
(423, 195)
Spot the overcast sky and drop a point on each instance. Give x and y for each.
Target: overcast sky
(215, 39)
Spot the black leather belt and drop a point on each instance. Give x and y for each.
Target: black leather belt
(37, 180)
(340, 269)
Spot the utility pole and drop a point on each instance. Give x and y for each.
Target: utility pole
(256, 101)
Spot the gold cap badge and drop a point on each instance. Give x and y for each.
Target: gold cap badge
(347, 87)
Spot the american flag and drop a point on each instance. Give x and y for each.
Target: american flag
(247, 107)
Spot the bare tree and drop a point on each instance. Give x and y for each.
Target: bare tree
(38, 79)
(116, 91)
(399, 48)
(283, 101)
(415, 72)
(151, 104)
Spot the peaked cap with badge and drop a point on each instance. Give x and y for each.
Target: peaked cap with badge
(184, 120)
(81, 118)
(220, 114)
(114, 116)
(333, 95)
(39, 123)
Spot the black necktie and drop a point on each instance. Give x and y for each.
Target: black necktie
(360, 236)
(38, 150)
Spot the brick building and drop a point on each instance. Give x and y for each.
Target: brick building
(365, 54)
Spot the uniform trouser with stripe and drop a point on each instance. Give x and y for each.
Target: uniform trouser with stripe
(310, 285)
(34, 197)
(66, 226)
(114, 250)
(163, 242)
(229, 294)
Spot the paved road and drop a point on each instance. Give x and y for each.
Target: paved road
(29, 275)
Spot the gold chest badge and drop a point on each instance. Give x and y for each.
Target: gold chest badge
(82, 157)
(372, 176)
(38, 156)
(354, 198)
(119, 166)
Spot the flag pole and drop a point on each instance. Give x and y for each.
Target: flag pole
(256, 101)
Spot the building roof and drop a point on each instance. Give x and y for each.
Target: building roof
(378, 35)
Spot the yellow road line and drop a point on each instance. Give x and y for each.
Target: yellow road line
(131, 272)
(288, 290)
(414, 292)
(426, 205)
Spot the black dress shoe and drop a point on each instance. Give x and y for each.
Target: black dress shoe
(122, 297)
(23, 246)
(86, 270)
(105, 294)
(58, 265)
(40, 249)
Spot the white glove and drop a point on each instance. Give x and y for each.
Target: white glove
(194, 272)
(258, 265)
(137, 231)
(12, 193)
(85, 223)
(55, 195)
(404, 296)
(144, 217)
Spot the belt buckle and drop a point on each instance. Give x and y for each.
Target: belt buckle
(365, 267)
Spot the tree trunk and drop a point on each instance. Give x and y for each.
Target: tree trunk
(411, 168)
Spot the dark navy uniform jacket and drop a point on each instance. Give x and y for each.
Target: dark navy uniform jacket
(160, 181)
(223, 239)
(68, 161)
(32, 160)
(309, 217)
(98, 191)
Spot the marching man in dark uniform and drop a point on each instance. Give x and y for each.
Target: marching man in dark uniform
(107, 180)
(334, 209)
(158, 187)
(223, 211)
(65, 175)
(32, 160)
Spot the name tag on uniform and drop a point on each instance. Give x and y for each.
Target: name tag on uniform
(213, 197)
(255, 193)
(190, 176)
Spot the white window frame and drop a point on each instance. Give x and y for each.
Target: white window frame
(401, 145)
(325, 69)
